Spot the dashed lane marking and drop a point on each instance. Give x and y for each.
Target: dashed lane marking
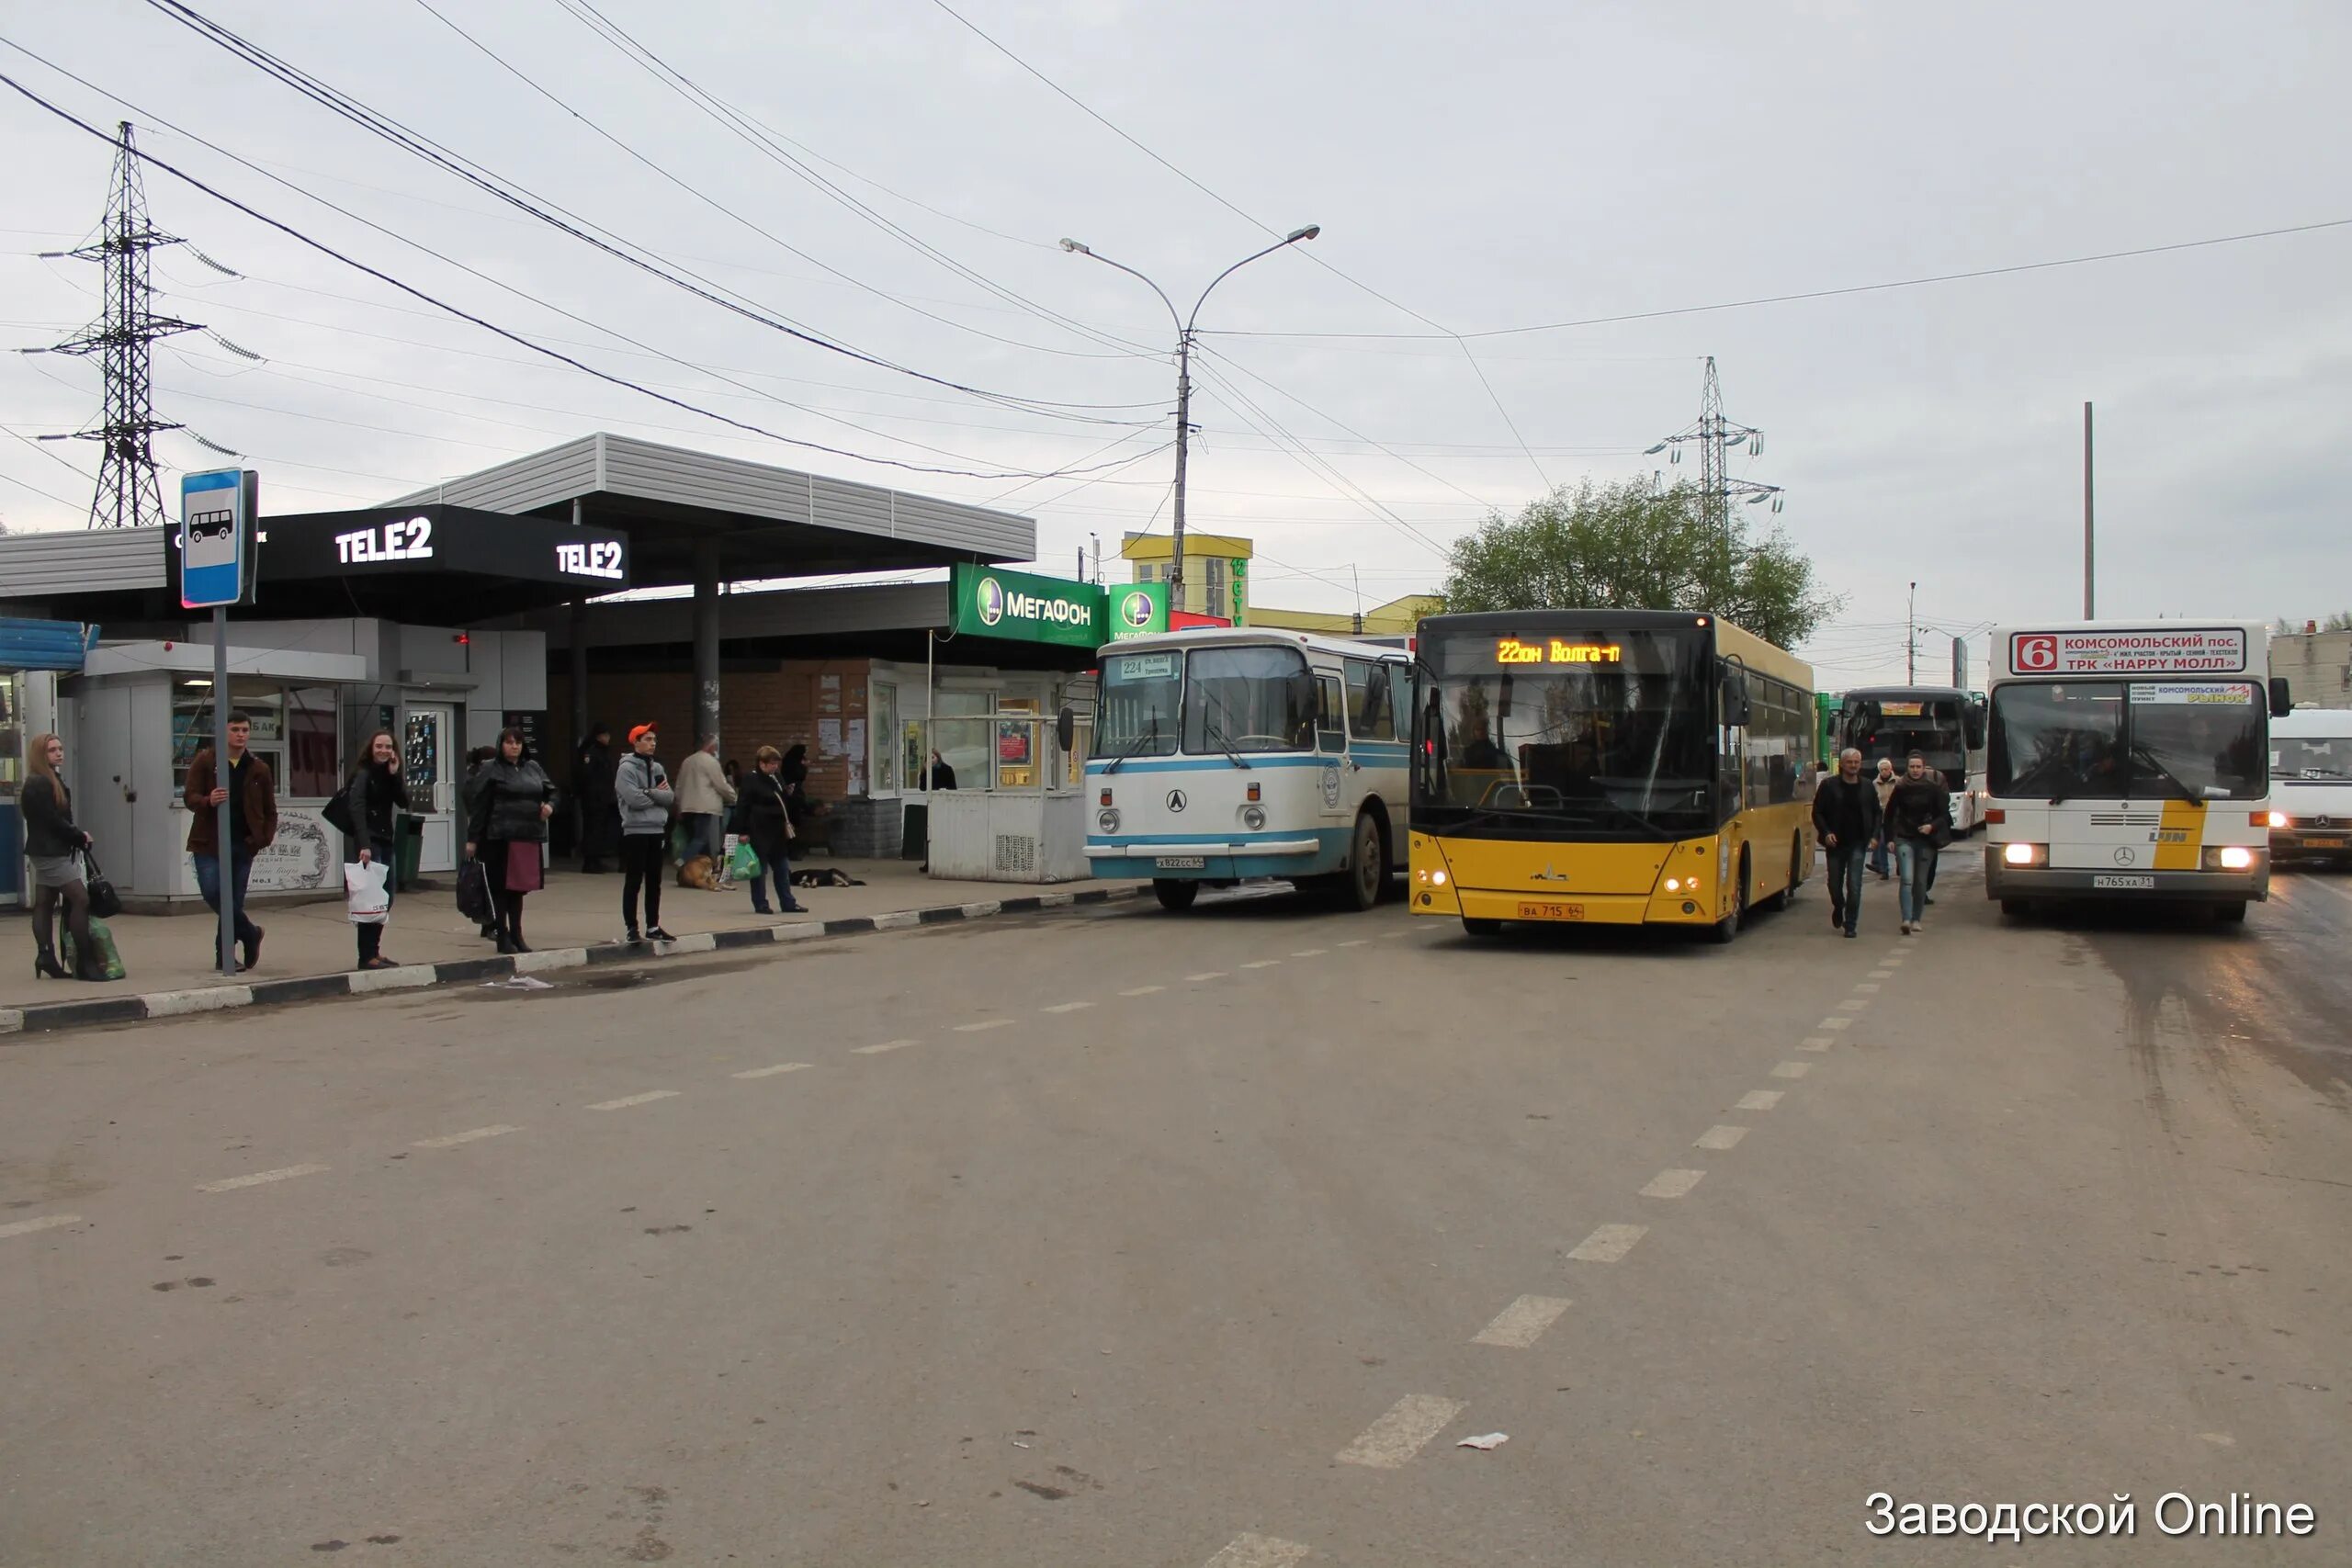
(46, 1223)
(1204, 974)
(1673, 1183)
(1310, 953)
(779, 1067)
(1868, 986)
(1356, 941)
(1153, 991)
(648, 1097)
(1815, 1043)
(985, 1023)
(1791, 1069)
(1720, 1137)
(1853, 1004)
(1758, 1100)
(1258, 1552)
(1523, 1323)
(472, 1134)
(1882, 973)
(1840, 1022)
(1391, 1442)
(886, 1045)
(1262, 964)
(258, 1177)
(1608, 1244)
(1066, 1007)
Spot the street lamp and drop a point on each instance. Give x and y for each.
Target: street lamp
(1184, 375)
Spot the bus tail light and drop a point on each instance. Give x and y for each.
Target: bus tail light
(1994, 815)
(2273, 819)
(2025, 854)
(2228, 857)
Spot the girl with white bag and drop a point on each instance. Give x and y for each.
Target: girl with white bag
(374, 793)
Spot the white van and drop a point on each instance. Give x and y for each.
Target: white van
(2311, 784)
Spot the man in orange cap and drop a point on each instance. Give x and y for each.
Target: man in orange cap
(645, 797)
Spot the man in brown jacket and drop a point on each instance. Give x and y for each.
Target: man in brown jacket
(254, 817)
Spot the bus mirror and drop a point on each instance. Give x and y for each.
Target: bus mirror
(2282, 702)
(1066, 729)
(1737, 708)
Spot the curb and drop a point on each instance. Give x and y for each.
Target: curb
(49, 1017)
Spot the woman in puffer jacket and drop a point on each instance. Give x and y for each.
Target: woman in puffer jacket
(513, 800)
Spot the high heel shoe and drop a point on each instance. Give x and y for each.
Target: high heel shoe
(46, 967)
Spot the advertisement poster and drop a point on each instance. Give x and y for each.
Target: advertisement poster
(829, 738)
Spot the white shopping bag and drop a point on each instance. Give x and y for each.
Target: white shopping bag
(365, 897)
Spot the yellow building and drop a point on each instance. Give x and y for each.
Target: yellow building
(1217, 582)
(1396, 618)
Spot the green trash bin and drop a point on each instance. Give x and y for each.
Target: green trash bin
(407, 849)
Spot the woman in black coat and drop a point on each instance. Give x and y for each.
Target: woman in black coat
(54, 844)
(793, 774)
(767, 821)
(375, 794)
(505, 830)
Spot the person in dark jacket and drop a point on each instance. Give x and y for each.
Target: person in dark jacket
(793, 773)
(375, 796)
(54, 844)
(507, 826)
(593, 767)
(252, 814)
(1919, 821)
(1846, 817)
(767, 821)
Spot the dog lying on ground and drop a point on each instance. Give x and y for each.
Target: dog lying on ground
(826, 876)
(698, 871)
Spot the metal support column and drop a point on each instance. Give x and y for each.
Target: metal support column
(707, 564)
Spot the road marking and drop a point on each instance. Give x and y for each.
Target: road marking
(886, 1045)
(1262, 964)
(1066, 1007)
(233, 1183)
(1758, 1100)
(1791, 1069)
(789, 1067)
(1882, 973)
(46, 1223)
(1609, 1243)
(1391, 1442)
(1357, 942)
(1834, 1023)
(1153, 991)
(1672, 1183)
(1815, 1043)
(1310, 953)
(1258, 1552)
(454, 1139)
(984, 1024)
(1206, 974)
(1720, 1137)
(1523, 1323)
(1870, 986)
(648, 1097)
(1853, 1004)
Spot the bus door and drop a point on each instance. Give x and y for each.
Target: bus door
(1335, 770)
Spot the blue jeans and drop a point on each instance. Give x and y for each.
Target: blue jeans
(777, 868)
(1877, 853)
(208, 881)
(1846, 883)
(1912, 857)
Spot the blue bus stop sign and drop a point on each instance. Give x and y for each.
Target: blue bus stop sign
(215, 538)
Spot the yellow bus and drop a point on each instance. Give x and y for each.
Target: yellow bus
(1614, 767)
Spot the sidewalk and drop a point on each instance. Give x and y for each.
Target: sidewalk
(309, 948)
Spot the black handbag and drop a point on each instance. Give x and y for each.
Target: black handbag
(473, 892)
(338, 812)
(104, 902)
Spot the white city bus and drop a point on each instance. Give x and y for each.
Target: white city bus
(1225, 754)
(2130, 762)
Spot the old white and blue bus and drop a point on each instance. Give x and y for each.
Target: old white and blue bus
(1225, 755)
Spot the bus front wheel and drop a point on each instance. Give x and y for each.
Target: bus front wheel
(1481, 927)
(1174, 897)
(2230, 913)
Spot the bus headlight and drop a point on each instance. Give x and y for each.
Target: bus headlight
(2279, 820)
(1253, 818)
(1674, 885)
(1107, 820)
(2228, 857)
(2025, 854)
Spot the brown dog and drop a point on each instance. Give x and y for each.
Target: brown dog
(698, 871)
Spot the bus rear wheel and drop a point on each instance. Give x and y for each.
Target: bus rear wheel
(1786, 894)
(1174, 897)
(1725, 930)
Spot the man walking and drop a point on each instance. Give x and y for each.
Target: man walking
(645, 796)
(592, 793)
(703, 795)
(1884, 783)
(1919, 819)
(252, 820)
(1846, 817)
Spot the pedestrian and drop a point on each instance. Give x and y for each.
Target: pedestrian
(592, 793)
(1884, 783)
(703, 795)
(734, 770)
(793, 773)
(936, 775)
(1846, 817)
(1919, 819)
(54, 845)
(506, 829)
(469, 797)
(643, 788)
(767, 821)
(374, 793)
(253, 823)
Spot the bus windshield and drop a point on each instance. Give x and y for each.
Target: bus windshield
(1610, 737)
(2301, 757)
(2138, 739)
(1248, 699)
(1136, 711)
(1894, 726)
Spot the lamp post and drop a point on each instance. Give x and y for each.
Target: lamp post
(1184, 376)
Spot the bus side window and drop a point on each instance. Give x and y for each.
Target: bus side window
(1330, 714)
(1368, 715)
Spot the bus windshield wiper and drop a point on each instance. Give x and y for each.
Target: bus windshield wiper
(1214, 733)
(1146, 738)
(2144, 754)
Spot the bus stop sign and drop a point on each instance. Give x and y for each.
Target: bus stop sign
(216, 537)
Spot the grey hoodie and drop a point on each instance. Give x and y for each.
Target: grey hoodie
(645, 794)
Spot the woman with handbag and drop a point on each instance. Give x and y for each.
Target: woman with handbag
(373, 792)
(508, 825)
(767, 822)
(55, 847)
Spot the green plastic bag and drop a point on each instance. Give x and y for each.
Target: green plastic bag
(101, 939)
(744, 863)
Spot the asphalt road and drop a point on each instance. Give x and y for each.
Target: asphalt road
(1130, 1239)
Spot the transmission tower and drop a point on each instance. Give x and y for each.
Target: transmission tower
(128, 495)
(1715, 435)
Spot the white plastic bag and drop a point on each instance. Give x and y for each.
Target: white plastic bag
(365, 897)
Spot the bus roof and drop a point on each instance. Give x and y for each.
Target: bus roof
(1730, 640)
(1251, 637)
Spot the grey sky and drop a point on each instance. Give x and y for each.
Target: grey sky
(1505, 165)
